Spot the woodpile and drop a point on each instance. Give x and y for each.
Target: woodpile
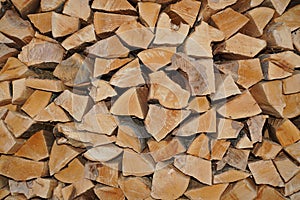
(150, 99)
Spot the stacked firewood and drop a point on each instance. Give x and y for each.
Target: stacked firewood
(151, 99)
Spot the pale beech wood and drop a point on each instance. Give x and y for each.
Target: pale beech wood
(206, 192)
(267, 192)
(18, 123)
(292, 84)
(200, 147)
(286, 168)
(21, 169)
(104, 66)
(42, 21)
(237, 158)
(77, 8)
(135, 187)
(62, 25)
(228, 129)
(244, 143)
(51, 5)
(255, 125)
(14, 69)
(113, 5)
(149, 12)
(231, 175)
(291, 110)
(267, 149)
(278, 36)
(72, 173)
(106, 192)
(242, 189)
(293, 151)
(264, 172)
(289, 18)
(103, 153)
(220, 4)
(52, 113)
(292, 186)
(156, 58)
(160, 121)
(295, 196)
(6, 52)
(229, 21)
(8, 143)
(101, 90)
(199, 105)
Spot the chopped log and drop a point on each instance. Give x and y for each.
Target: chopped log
(266, 150)
(166, 149)
(106, 192)
(291, 110)
(246, 73)
(20, 92)
(16, 28)
(244, 143)
(229, 21)
(109, 48)
(199, 105)
(156, 58)
(278, 5)
(62, 25)
(45, 84)
(242, 189)
(8, 143)
(258, 20)
(5, 40)
(200, 147)
(225, 87)
(231, 175)
(37, 35)
(195, 167)
(42, 21)
(293, 151)
(133, 102)
(275, 69)
(241, 46)
(278, 36)
(135, 187)
(206, 192)
(143, 36)
(168, 93)
(60, 156)
(221, 4)
(128, 76)
(5, 97)
(104, 66)
(279, 128)
(25, 7)
(21, 169)
(4, 192)
(200, 123)
(292, 186)
(77, 8)
(218, 148)
(168, 182)
(248, 107)
(52, 113)
(187, 10)
(198, 44)
(72, 173)
(37, 147)
(103, 153)
(296, 39)
(289, 18)
(74, 104)
(149, 12)
(80, 37)
(270, 102)
(160, 122)
(246, 5)
(51, 5)
(264, 172)
(237, 158)
(18, 123)
(76, 189)
(36, 102)
(39, 51)
(168, 33)
(6, 53)
(292, 84)
(255, 125)
(267, 192)
(136, 164)
(101, 90)
(105, 173)
(229, 129)
(113, 5)
(286, 168)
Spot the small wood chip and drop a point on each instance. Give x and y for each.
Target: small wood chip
(286, 167)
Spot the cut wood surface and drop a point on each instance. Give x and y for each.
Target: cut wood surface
(150, 99)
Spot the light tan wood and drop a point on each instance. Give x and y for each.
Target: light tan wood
(80, 37)
(255, 125)
(21, 169)
(275, 68)
(292, 84)
(77, 8)
(296, 39)
(206, 192)
(264, 172)
(292, 186)
(18, 123)
(101, 90)
(289, 18)
(286, 168)
(5, 40)
(241, 46)
(136, 164)
(42, 21)
(156, 58)
(244, 143)
(278, 36)
(5, 97)
(221, 4)
(76, 189)
(267, 192)
(200, 147)
(104, 66)
(8, 144)
(198, 44)
(49, 85)
(62, 25)
(72, 173)
(113, 5)
(199, 105)
(242, 6)
(6, 52)
(228, 129)
(106, 192)
(4, 192)
(25, 7)
(14, 69)
(168, 33)
(293, 151)
(52, 113)
(51, 5)
(242, 189)
(60, 156)
(267, 149)
(103, 153)
(135, 187)
(291, 110)
(168, 182)
(237, 158)
(229, 21)
(231, 175)
(149, 12)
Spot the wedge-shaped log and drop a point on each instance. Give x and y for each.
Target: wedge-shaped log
(135, 187)
(103, 153)
(149, 12)
(77, 8)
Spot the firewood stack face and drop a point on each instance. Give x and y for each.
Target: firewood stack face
(150, 99)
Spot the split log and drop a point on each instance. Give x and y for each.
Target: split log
(241, 46)
(255, 125)
(135, 187)
(291, 110)
(136, 164)
(131, 103)
(286, 168)
(105, 192)
(242, 6)
(248, 107)
(166, 149)
(113, 5)
(18, 123)
(156, 58)
(168, 93)
(258, 20)
(242, 189)
(275, 69)
(206, 192)
(8, 144)
(4, 192)
(195, 167)
(5, 97)
(26, 7)
(229, 21)
(62, 25)
(60, 156)
(168, 183)
(278, 5)
(296, 39)
(20, 92)
(289, 18)
(21, 169)
(45, 84)
(200, 147)
(104, 66)
(244, 143)
(78, 8)
(72, 173)
(5, 40)
(231, 175)
(130, 75)
(103, 153)
(37, 147)
(101, 90)
(264, 172)
(292, 186)
(267, 149)
(76, 189)
(160, 121)
(218, 148)
(42, 21)
(229, 129)
(149, 12)
(168, 33)
(51, 5)
(80, 37)
(293, 151)
(52, 113)
(237, 158)
(199, 105)
(198, 44)
(6, 53)
(267, 192)
(292, 84)
(221, 4)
